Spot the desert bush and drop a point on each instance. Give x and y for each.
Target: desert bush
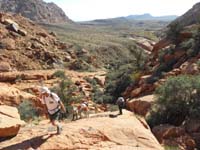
(117, 81)
(196, 45)
(98, 95)
(59, 74)
(177, 99)
(27, 111)
(174, 31)
(80, 65)
(66, 90)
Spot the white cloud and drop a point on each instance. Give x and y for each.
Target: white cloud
(95, 9)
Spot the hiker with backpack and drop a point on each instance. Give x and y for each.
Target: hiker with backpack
(121, 104)
(53, 106)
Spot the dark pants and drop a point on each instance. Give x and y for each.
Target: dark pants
(55, 116)
(120, 109)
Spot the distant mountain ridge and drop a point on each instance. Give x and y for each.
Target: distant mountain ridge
(36, 10)
(148, 16)
(145, 21)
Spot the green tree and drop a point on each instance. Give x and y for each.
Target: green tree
(177, 99)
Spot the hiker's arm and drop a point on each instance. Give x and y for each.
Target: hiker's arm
(43, 106)
(62, 106)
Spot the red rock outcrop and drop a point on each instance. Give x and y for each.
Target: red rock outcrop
(12, 96)
(10, 122)
(174, 136)
(140, 105)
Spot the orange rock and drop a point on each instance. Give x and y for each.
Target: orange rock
(174, 136)
(5, 67)
(100, 132)
(161, 44)
(140, 105)
(136, 92)
(12, 96)
(100, 80)
(9, 121)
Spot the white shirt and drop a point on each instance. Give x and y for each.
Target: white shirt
(52, 103)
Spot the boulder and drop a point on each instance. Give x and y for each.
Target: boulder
(174, 136)
(22, 32)
(192, 126)
(136, 92)
(12, 96)
(10, 122)
(100, 80)
(8, 44)
(189, 68)
(5, 67)
(167, 131)
(9, 21)
(140, 105)
(13, 27)
(161, 44)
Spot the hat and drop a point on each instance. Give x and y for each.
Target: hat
(44, 90)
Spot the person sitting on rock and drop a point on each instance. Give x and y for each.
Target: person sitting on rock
(53, 106)
(121, 104)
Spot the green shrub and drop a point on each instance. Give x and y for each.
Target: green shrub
(27, 111)
(81, 65)
(177, 99)
(117, 81)
(196, 46)
(171, 147)
(59, 74)
(66, 90)
(174, 31)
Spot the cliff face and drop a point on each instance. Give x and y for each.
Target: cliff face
(36, 10)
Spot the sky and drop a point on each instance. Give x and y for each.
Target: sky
(83, 10)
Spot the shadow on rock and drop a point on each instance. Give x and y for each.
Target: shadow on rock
(113, 116)
(33, 143)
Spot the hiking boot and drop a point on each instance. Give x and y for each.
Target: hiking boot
(59, 129)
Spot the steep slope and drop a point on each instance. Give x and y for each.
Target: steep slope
(190, 17)
(177, 54)
(36, 10)
(96, 133)
(25, 45)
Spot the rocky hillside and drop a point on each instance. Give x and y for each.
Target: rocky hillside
(26, 46)
(175, 55)
(36, 10)
(190, 17)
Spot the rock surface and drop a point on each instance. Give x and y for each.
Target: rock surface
(174, 136)
(140, 105)
(9, 121)
(101, 133)
(12, 96)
